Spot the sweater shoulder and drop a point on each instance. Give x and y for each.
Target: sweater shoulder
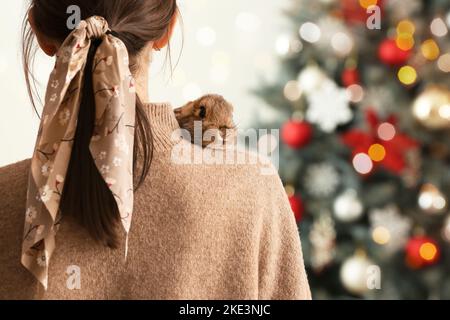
(14, 173)
(238, 175)
(13, 191)
(13, 186)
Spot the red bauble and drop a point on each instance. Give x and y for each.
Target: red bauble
(350, 77)
(297, 207)
(390, 54)
(421, 252)
(296, 134)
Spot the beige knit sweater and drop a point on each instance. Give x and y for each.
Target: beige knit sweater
(198, 232)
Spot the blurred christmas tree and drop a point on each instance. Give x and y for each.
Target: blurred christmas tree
(366, 146)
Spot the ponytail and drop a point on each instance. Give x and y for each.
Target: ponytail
(86, 197)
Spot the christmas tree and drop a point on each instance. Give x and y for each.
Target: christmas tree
(364, 103)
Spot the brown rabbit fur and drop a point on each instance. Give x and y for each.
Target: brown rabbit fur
(213, 111)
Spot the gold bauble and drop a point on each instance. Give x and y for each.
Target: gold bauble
(432, 108)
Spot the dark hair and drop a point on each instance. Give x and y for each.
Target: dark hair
(86, 196)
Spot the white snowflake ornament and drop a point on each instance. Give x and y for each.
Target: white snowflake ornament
(397, 226)
(329, 107)
(321, 180)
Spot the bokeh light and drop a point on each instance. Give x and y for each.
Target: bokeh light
(444, 111)
(381, 235)
(386, 131)
(406, 26)
(355, 93)
(444, 62)
(377, 152)
(283, 44)
(362, 163)
(430, 49)
(342, 43)
(438, 27)
(310, 32)
(407, 75)
(292, 91)
(422, 109)
(296, 46)
(431, 199)
(428, 251)
(405, 41)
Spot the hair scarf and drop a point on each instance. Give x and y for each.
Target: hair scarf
(111, 145)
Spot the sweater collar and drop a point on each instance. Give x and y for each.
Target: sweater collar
(163, 123)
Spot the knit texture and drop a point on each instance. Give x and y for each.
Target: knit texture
(198, 232)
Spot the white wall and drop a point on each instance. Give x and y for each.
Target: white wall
(241, 49)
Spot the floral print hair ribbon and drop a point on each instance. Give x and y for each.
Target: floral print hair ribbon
(111, 145)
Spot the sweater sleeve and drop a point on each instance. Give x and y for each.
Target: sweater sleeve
(282, 274)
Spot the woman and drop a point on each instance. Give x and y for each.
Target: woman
(109, 213)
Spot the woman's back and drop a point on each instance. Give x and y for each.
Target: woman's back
(198, 232)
